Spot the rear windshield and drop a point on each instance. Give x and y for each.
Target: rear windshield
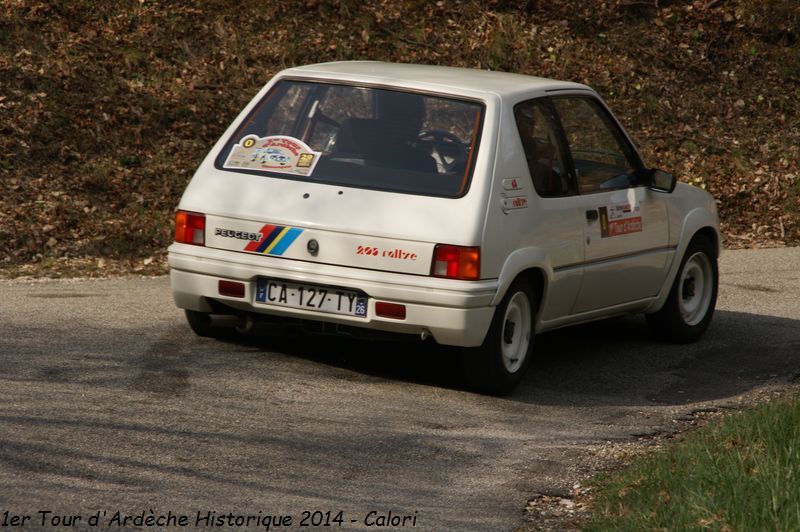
(359, 136)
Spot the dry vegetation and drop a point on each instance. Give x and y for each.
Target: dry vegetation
(107, 107)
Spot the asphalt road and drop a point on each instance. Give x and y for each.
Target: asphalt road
(109, 403)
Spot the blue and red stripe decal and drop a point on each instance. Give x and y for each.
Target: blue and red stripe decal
(275, 239)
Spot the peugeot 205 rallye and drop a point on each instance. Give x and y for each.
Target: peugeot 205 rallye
(477, 208)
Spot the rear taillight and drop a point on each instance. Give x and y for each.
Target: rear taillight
(190, 228)
(456, 262)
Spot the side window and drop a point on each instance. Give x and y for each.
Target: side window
(538, 132)
(602, 157)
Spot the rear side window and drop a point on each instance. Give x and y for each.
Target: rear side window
(359, 136)
(538, 131)
(602, 157)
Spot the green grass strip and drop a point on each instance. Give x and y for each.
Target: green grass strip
(740, 474)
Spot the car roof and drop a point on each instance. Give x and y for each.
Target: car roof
(437, 78)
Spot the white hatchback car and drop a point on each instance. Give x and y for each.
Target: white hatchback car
(477, 208)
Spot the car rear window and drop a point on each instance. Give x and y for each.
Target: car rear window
(359, 136)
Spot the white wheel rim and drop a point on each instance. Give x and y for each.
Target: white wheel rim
(516, 332)
(695, 288)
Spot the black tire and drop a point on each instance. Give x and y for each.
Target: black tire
(688, 310)
(200, 322)
(498, 365)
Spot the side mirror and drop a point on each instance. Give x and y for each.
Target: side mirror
(660, 181)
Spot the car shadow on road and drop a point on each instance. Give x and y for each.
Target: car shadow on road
(619, 362)
(409, 360)
(611, 362)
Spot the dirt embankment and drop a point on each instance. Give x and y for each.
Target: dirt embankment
(107, 107)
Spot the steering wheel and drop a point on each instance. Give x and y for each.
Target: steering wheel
(448, 150)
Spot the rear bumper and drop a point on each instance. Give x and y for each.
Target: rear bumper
(453, 312)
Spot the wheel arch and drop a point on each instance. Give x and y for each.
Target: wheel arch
(697, 222)
(712, 234)
(538, 281)
(532, 265)
(687, 311)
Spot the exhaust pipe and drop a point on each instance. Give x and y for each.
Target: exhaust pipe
(242, 323)
(245, 323)
(224, 320)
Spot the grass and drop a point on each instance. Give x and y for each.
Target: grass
(740, 474)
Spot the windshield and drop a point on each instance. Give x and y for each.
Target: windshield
(359, 136)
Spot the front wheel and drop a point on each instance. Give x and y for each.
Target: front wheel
(687, 311)
(497, 366)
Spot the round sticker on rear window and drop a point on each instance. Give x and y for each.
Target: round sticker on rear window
(277, 153)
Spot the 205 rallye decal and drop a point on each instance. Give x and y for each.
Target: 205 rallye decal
(616, 220)
(277, 153)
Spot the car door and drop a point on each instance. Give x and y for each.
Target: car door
(556, 224)
(626, 230)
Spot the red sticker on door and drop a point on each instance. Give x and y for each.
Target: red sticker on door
(616, 220)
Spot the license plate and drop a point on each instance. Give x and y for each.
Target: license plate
(309, 297)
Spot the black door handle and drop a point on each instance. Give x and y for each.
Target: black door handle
(592, 215)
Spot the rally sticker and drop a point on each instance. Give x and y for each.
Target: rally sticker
(273, 239)
(509, 203)
(616, 220)
(277, 153)
(512, 183)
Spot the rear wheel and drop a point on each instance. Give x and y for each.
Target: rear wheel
(689, 308)
(497, 366)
